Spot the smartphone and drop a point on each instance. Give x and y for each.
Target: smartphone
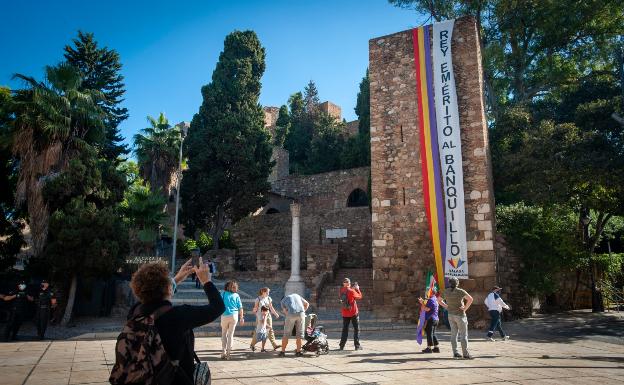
(211, 268)
(195, 261)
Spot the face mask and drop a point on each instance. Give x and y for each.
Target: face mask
(22, 287)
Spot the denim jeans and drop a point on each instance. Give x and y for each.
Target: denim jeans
(345, 330)
(495, 324)
(459, 325)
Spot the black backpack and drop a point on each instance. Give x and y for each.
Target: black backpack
(140, 357)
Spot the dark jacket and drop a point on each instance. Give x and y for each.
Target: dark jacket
(176, 326)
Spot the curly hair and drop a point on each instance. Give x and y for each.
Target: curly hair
(263, 290)
(150, 284)
(231, 286)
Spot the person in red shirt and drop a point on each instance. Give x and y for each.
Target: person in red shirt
(350, 314)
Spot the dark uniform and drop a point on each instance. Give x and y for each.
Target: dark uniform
(17, 315)
(44, 304)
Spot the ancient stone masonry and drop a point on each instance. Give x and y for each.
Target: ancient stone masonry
(402, 250)
(264, 239)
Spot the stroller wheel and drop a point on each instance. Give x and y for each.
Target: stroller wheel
(318, 353)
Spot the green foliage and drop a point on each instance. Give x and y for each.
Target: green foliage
(11, 239)
(204, 241)
(229, 152)
(545, 240)
(326, 146)
(282, 126)
(100, 70)
(80, 201)
(143, 212)
(157, 149)
(188, 246)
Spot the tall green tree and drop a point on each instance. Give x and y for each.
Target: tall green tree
(282, 126)
(11, 239)
(228, 147)
(86, 236)
(53, 121)
(156, 148)
(100, 69)
(299, 136)
(326, 146)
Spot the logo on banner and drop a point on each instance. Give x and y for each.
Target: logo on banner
(456, 262)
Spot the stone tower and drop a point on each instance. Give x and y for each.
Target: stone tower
(402, 247)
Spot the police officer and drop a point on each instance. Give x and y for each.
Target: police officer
(45, 302)
(19, 306)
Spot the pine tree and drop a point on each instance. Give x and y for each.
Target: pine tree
(100, 69)
(228, 147)
(310, 98)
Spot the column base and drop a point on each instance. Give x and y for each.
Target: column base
(295, 285)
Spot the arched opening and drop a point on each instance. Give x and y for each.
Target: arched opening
(357, 198)
(272, 211)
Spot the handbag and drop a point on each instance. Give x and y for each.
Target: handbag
(201, 375)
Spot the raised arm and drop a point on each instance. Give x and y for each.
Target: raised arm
(357, 294)
(188, 316)
(306, 304)
(468, 298)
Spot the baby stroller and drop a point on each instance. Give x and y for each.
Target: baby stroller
(316, 340)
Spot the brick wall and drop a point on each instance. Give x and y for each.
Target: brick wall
(402, 251)
(331, 109)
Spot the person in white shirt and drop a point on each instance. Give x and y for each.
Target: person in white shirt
(495, 305)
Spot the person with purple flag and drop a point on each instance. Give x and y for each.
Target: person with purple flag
(429, 309)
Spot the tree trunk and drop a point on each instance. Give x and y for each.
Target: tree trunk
(70, 301)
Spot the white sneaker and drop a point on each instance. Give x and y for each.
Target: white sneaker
(506, 338)
(491, 339)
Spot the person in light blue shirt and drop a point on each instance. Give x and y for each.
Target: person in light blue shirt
(294, 306)
(231, 316)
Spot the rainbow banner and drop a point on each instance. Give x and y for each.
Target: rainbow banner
(429, 152)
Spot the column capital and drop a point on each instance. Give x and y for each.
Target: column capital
(295, 209)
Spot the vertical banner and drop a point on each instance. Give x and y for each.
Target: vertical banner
(432, 188)
(449, 142)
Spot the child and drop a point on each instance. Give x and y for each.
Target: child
(262, 329)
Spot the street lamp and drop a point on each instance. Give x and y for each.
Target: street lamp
(184, 126)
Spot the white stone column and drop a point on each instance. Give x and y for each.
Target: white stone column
(295, 283)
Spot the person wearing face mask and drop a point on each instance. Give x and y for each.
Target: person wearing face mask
(19, 307)
(45, 302)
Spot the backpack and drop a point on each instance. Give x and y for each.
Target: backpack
(140, 357)
(344, 299)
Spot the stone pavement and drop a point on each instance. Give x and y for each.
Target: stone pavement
(569, 348)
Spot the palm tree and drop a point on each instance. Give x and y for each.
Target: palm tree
(142, 209)
(157, 149)
(53, 120)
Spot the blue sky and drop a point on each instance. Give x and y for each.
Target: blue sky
(169, 48)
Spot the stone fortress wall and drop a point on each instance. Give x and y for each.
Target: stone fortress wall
(264, 239)
(402, 249)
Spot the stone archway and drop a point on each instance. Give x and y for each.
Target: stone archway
(357, 198)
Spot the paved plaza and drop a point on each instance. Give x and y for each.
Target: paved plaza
(572, 348)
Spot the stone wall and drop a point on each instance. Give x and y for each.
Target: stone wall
(325, 191)
(331, 109)
(265, 240)
(402, 251)
(282, 162)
